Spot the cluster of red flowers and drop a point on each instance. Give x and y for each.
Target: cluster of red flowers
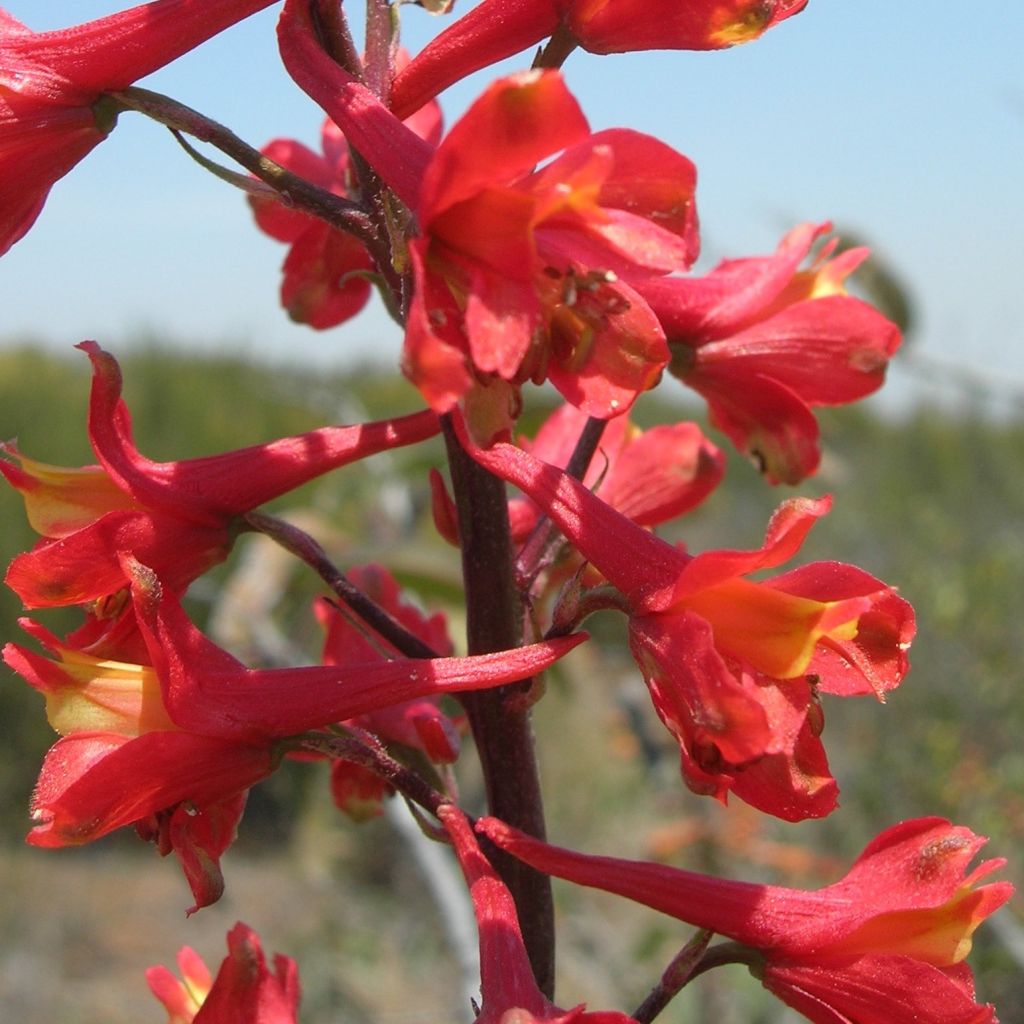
(516, 248)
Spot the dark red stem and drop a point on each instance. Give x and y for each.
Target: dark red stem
(375, 759)
(500, 719)
(339, 213)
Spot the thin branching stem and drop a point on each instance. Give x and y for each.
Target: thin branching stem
(681, 969)
(381, 44)
(341, 214)
(309, 551)
(557, 49)
(375, 758)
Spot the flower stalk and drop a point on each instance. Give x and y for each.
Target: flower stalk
(684, 966)
(501, 726)
(372, 756)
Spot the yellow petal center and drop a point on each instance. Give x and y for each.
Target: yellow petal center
(773, 631)
(90, 695)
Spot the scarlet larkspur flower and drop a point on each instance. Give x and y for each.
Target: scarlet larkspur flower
(762, 341)
(123, 761)
(326, 271)
(884, 945)
(525, 274)
(520, 273)
(419, 724)
(52, 86)
(324, 280)
(245, 989)
(178, 517)
(206, 690)
(496, 29)
(507, 987)
(734, 666)
(170, 746)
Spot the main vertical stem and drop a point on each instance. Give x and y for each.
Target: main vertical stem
(501, 727)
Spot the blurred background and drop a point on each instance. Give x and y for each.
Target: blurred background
(904, 130)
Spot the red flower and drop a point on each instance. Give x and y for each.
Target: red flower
(496, 29)
(244, 991)
(52, 111)
(179, 517)
(122, 761)
(524, 274)
(205, 690)
(507, 987)
(885, 945)
(325, 272)
(734, 666)
(520, 274)
(762, 341)
(173, 745)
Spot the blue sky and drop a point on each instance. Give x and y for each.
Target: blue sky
(899, 120)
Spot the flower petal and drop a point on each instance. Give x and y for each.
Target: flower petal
(877, 990)
(485, 34)
(517, 122)
(94, 783)
(246, 990)
(207, 691)
(714, 716)
(217, 488)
